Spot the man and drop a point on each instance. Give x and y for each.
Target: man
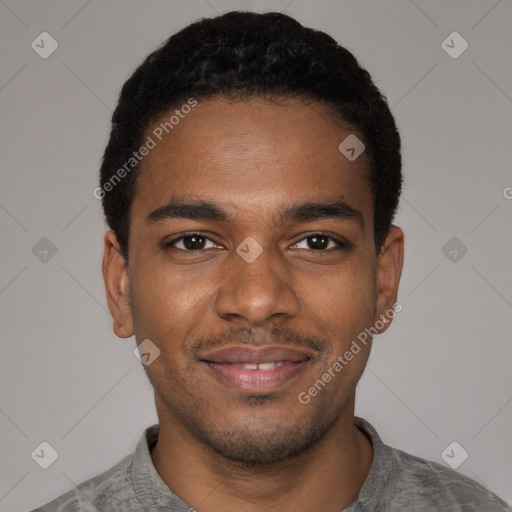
(250, 183)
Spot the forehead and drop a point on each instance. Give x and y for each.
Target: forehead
(251, 154)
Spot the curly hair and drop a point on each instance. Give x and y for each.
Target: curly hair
(244, 54)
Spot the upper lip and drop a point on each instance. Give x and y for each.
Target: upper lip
(247, 354)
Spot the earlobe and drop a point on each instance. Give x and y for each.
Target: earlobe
(389, 270)
(117, 286)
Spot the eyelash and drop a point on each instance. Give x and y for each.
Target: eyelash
(341, 244)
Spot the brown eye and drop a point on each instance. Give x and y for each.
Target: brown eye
(192, 242)
(320, 242)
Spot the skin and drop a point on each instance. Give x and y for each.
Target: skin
(254, 158)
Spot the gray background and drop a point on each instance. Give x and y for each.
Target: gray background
(440, 374)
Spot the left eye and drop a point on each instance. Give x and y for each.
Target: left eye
(319, 242)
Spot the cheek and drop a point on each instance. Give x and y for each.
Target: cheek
(345, 307)
(164, 301)
(344, 298)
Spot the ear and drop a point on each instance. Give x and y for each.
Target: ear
(389, 269)
(117, 286)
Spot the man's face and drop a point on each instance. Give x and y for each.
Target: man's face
(254, 285)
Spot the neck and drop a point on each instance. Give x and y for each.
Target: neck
(327, 477)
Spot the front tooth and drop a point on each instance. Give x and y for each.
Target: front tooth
(250, 366)
(266, 366)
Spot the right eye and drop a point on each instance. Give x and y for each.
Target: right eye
(191, 242)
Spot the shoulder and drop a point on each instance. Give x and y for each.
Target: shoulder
(113, 489)
(99, 493)
(418, 482)
(400, 481)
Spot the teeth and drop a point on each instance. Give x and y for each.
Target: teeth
(261, 366)
(267, 366)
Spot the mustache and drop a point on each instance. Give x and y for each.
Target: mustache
(270, 336)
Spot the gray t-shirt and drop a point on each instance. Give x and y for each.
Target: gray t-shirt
(397, 481)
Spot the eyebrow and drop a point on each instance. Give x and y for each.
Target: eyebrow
(310, 211)
(295, 213)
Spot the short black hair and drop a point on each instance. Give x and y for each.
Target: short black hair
(244, 54)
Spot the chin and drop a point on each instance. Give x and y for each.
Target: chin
(263, 439)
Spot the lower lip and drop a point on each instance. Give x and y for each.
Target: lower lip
(257, 381)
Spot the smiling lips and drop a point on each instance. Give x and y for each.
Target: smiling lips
(255, 370)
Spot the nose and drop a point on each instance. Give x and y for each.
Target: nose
(251, 293)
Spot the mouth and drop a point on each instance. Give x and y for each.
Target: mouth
(256, 370)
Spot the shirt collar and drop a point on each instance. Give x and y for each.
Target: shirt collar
(380, 470)
(155, 495)
(152, 492)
